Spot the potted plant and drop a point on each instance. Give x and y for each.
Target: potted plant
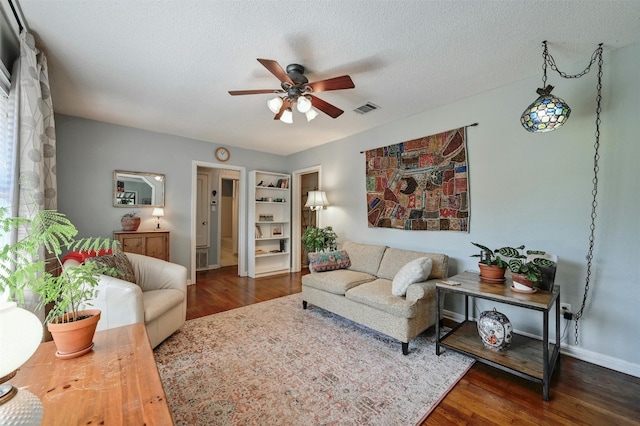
(523, 272)
(23, 267)
(316, 239)
(492, 267)
(130, 222)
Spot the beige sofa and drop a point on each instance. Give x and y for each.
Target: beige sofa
(362, 292)
(158, 298)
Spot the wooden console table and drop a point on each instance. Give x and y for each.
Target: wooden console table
(149, 243)
(526, 357)
(117, 383)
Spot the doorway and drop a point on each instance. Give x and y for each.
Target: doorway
(228, 230)
(304, 180)
(218, 207)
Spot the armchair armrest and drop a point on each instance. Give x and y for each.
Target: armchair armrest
(120, 301)
(158, 274)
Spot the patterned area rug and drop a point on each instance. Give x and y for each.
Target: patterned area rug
(274, 363)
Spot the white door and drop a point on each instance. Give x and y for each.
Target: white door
(202, 211)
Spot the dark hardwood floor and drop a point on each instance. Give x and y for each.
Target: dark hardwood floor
(581, 393)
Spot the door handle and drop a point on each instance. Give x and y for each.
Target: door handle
(204, 223)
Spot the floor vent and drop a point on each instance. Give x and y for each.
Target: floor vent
(368, 107)
(202, 259)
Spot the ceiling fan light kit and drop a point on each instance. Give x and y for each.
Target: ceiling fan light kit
(296, 89)
(275, 104)
(287, 116)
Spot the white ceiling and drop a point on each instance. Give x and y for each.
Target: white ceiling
(166, 65)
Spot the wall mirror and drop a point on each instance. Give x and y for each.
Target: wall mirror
(138, 189)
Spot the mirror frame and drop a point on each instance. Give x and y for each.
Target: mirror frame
(142, 175)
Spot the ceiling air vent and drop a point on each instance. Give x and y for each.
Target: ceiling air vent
(368, 107)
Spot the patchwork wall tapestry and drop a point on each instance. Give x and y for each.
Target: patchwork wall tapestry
(420, 184)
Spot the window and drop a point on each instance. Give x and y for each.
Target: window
(7, 154)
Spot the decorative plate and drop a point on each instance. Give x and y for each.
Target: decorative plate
(495, 330)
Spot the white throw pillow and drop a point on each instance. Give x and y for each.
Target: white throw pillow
(416, 271)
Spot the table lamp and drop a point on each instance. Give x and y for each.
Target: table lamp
(20, 336)
(158, 212)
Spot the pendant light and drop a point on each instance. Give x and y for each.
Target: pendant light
(560, 112)
(548, 112)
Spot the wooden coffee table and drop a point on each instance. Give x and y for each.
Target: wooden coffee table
(116, 383)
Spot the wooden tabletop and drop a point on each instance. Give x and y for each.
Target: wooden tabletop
(117, 383)
(470, 284)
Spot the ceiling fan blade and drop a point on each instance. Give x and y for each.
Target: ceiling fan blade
(254, 92)
(276, 70)
(336, 83)
(327, 108)
(286, 104)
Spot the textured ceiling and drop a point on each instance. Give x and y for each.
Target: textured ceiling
(166, 66)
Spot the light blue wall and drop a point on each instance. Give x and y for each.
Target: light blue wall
(532, 189)
(89, 151)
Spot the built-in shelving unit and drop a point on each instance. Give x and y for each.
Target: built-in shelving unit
(270, 222)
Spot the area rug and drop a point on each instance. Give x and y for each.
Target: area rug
(274, 363)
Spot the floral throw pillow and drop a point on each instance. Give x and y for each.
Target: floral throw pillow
(329, 261)
(119, 261)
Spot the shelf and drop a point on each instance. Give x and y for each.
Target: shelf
(272, 254)
(272, 202)
(524, 354)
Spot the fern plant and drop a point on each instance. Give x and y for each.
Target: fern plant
(24, 267)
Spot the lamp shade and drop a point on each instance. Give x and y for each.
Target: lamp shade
(20, 336)
(311, 114)
(303, 104)
(275, 104)
(316, 200)
(545, 114)
(158, 212)
(287, 116)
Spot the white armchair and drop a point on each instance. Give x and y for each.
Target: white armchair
(159, 297)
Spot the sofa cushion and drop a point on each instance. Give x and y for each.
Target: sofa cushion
(336, 282)
(416, 271)
(377, 294)
(328, 261)
(119, 261)
(394, 259)
(364, 257)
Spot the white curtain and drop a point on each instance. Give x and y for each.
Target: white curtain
(34, 129)
(32, 140)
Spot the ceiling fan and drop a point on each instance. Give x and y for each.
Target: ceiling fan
(296, 89)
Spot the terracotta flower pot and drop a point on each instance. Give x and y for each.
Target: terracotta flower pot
(491, 273)
(130, 223)
(75, 338)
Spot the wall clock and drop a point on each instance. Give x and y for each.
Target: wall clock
(222, 154)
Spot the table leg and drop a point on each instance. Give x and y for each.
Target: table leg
(545, 354)
(438, 314)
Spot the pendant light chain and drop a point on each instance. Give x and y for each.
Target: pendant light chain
(596, 56)
(594, 191)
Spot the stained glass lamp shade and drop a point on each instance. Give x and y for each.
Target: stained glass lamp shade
(546, 113)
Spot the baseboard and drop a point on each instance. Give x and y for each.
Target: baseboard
(602, 360)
